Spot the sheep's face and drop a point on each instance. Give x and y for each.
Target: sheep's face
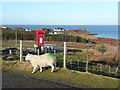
(27, 57)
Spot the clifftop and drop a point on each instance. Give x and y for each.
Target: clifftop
(78, 32)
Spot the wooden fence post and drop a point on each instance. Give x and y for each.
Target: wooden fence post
(20, 50)
(78, 65)
(116, 70)
(100, 68)
(87, 61)
(109, 70)
(45, 49)
(65, 51)
(71, 63)
(35, 49)
(38, 51)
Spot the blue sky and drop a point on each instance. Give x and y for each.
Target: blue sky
(60, 13)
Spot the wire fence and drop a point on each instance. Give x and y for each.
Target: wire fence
(93, 67)
(78, 64)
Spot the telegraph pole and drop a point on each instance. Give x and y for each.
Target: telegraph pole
(16, 38)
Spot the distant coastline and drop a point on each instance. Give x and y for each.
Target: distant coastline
(83, 32)
(105, 31)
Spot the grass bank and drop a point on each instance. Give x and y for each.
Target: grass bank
(65, 76)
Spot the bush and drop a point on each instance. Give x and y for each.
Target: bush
(102, 49)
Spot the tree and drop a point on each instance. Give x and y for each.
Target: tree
(102, 49)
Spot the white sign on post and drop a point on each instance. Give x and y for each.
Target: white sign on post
(20, 50)
(65, 51)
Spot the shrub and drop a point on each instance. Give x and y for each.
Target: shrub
(102, 49)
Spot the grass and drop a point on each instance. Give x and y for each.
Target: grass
(79, 79)
(78, 47)
(63, 75)
(12, 43)
(75, 57)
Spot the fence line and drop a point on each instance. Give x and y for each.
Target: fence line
(96, 68)
(92, 67)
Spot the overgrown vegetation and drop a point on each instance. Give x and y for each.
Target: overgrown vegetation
(11, 34)
(102, 49)
(21, 34)
(66, 38)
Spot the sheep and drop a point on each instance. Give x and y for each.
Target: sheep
(41, 61)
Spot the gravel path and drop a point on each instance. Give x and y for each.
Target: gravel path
(17, 80)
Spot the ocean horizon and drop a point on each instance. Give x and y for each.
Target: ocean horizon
(107, 31)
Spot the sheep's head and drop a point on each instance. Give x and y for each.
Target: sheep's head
(27, 57)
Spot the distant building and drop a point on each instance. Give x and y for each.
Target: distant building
(3, 27)
(56, 33)
(59, 29)
(28, 30)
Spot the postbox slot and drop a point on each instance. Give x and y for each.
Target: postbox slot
(40, 33)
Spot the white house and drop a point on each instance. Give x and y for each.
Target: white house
(56, 33)
(59, 29)
(28, 30)
(3, 27)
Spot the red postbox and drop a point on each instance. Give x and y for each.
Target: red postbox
(40, 37)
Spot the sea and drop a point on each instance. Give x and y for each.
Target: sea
(107, 31)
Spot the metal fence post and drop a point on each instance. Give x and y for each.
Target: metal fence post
(16, 38)
(54, 51)
(20, 50)
(65, 51)
(10, 52)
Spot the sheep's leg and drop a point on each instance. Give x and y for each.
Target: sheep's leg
(34, 70)
(40, 69)
(52, 68)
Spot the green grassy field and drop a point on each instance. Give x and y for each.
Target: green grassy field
(78, 47)
(11, 43)
(79, 79)
(75, 57)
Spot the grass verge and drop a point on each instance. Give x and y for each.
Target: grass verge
(65, 76)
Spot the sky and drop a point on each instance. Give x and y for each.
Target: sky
(59, 13)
